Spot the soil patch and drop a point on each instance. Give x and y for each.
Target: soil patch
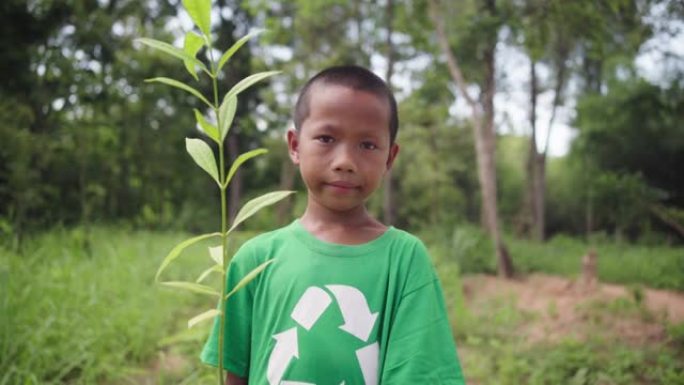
(562, 308)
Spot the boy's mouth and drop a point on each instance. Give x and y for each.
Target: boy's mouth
(342, 185)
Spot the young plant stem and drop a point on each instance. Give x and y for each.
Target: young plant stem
(224, 238)
(224, 221)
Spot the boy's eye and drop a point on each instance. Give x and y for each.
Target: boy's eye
(324, 138)
(369, 146)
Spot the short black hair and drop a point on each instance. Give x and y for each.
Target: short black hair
(354, 77)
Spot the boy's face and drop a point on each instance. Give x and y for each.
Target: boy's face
(343, 147)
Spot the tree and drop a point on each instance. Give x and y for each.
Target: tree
(24, 112)
(613, 132)
(604, 36)
(389, 204)
(482, 115)
(437, 183)
(83, 124)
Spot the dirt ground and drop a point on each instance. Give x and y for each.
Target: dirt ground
(560, 307)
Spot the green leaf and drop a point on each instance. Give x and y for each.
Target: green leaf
(205, 273)
(175, 252)
(182, 86)
(249, 81)
(192, 44)
(238, 44)
(206, 127)
(202, 317)
(242, 159)
(216, 253)
(227, 114)
(200, 13)
(171, 50)
(201, 153)
(197, 288)
(256, 204)
(249, 277)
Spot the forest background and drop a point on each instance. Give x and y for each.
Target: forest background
(95, 180)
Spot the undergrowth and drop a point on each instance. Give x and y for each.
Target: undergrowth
(621, 263)
(85, 310)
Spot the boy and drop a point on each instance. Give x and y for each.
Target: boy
(347, 300)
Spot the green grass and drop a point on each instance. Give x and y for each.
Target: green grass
(622, 263)
(571, 362)
(83, 315)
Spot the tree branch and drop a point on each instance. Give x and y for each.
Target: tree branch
(560, 85)
(661, 213)
(452, 63)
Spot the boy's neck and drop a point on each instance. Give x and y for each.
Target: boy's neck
(351, 227)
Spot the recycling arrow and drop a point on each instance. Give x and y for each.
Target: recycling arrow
(358, 319)
(310, 306)
(285, 349)
(368, 361)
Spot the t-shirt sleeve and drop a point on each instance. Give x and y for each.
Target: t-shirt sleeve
(237, 333)
(420, 348)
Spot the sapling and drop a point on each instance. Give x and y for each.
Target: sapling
(223, 114)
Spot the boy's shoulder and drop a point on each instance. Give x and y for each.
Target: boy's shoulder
(269, 238)
(257, 249)
(406, 236)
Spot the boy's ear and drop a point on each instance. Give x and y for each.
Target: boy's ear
(394, 150)
(293, 145)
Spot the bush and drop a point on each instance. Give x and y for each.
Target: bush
(473, 250)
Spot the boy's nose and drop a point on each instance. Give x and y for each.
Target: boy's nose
(344, 160)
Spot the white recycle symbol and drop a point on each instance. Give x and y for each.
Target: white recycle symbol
(358, 321)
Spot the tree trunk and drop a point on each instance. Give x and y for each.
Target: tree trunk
(485, 137)
(536, 166)
(589, 212)
(82, 187)
(435, 208)
(539, 198)
(535, 196)
(528, 213)
(539, 201)
(389, 206)
(487, 165)
(589, 280)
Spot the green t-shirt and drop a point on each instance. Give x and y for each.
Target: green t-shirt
(325, 313)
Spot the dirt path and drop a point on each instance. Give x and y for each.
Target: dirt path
(559, 308)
